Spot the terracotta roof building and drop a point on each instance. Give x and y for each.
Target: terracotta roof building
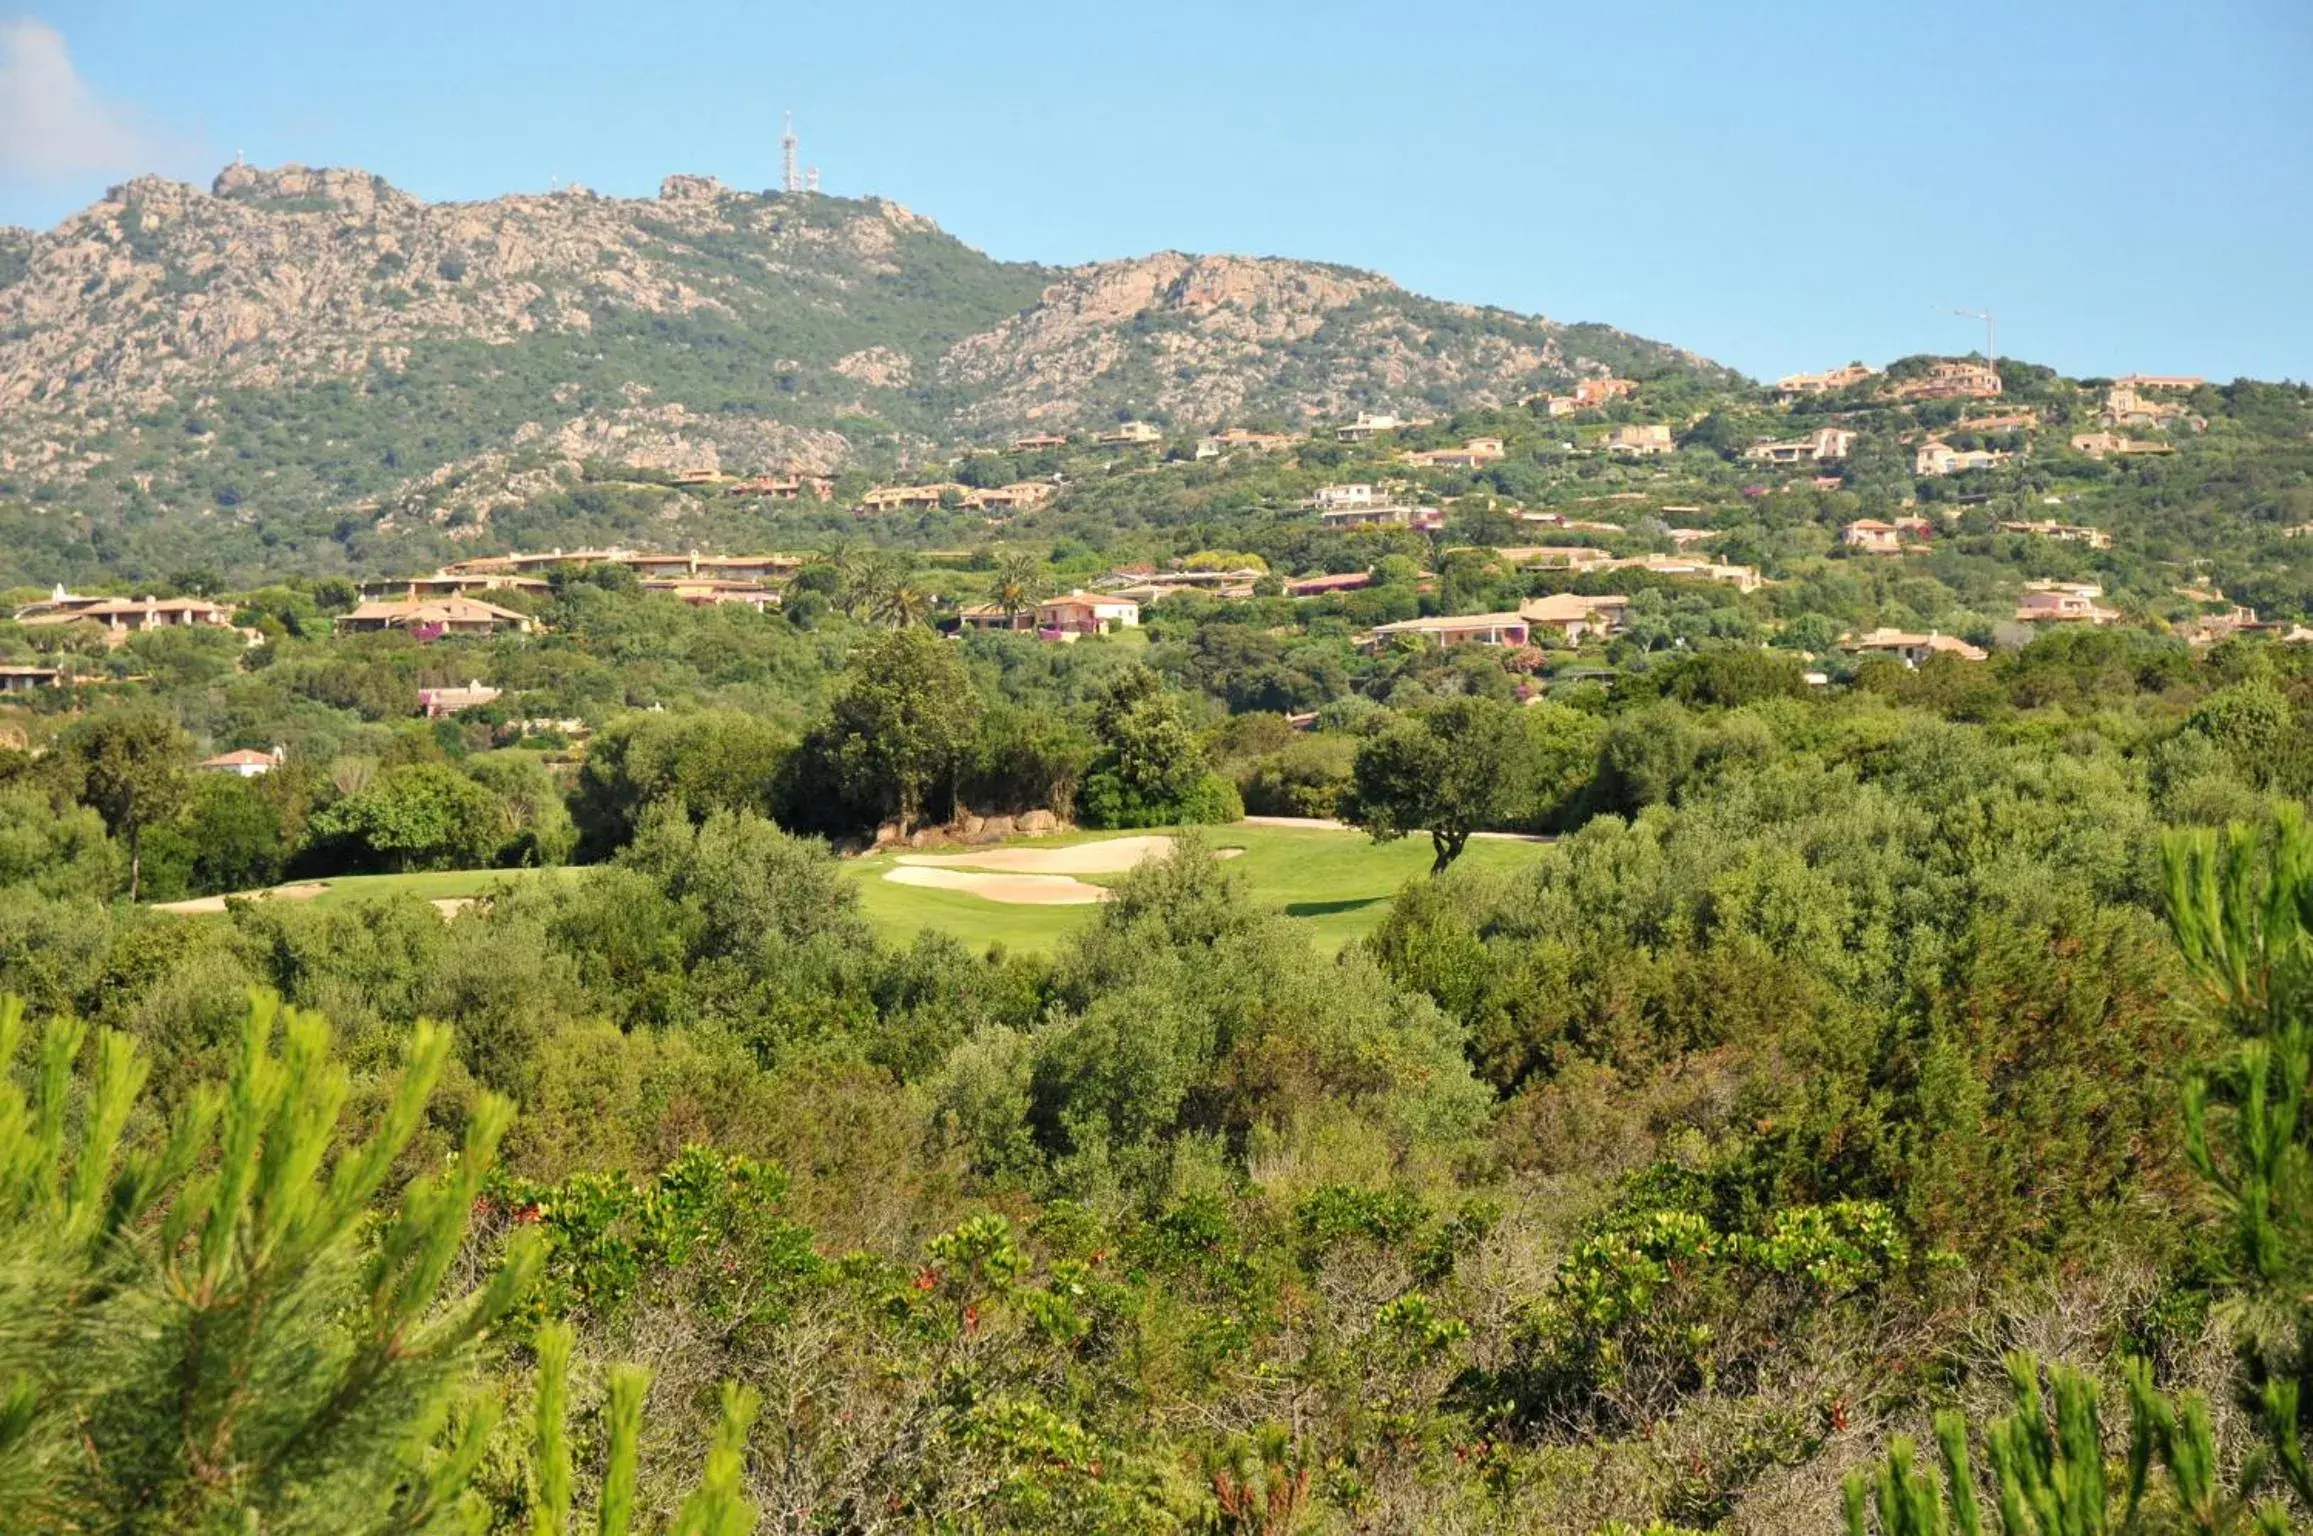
(431, 618)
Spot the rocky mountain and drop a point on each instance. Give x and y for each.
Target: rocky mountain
(315, 348)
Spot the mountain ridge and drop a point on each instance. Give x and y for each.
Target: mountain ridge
(306, 343)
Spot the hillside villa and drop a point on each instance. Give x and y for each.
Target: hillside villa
(19, 679)
(245, 763)
(1368, 423)
(1085, 613)
(430, 618)
(2098, 445)
(1020, 496)
(1557, 557)
(503, 572)
(1576, 617)
(784, 488)
(121, 617)
(713, 592)
(1427, 519)
(2063, 602)
(1130, 434)
(1589, 394)
(1821, 446)
(1870, 536)
(1910, 649)
(1639, 439)
(1236, 438)
(1792, 386)
(439, 703)
(1743, 578)
(2211, 628)
(1936, 457)
(1334, 498)
(447, 584)
(1321, 586)
(1461, 629)
(1149, 585)
(993, 616)
(58, 601)
(909, 498)
(2026, 420)
(2132, 403)
(1034, 442)
(1474, 454)
(2063, 533)
(1950, 379)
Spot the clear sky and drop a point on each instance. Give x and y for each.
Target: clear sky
(1779, 186)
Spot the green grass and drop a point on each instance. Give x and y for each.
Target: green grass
(426, 885)
(1337, 884)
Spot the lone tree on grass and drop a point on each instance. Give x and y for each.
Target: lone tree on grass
(1447, 770)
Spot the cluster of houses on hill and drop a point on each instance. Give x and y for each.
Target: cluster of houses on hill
(120, 617)
(1944, 379)
(1024, 496)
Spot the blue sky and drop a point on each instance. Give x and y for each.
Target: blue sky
(1780, 186)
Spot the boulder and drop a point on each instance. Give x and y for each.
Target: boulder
(970, 825)
(997, 826)
(889, 832)
(1036, 823)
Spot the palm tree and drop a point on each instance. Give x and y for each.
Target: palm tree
(900, 603)
(1019, 583)
(861, 576)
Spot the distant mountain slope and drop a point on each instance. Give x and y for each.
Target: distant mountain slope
(310, 346)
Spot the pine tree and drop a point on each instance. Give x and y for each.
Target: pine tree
(225, 1330)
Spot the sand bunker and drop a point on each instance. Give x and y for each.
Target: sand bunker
(1112, 857)
(1035, 876)
(1020, 890)
(200, 905)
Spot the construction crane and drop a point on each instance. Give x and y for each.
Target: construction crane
(1991, 344)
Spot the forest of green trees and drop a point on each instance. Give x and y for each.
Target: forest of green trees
(1889, 1064)
(1873, 1102)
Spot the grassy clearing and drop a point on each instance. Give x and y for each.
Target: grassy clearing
(1337, 883)
(429, 885)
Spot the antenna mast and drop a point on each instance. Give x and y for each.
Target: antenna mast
(792, 179)
(1991, 342)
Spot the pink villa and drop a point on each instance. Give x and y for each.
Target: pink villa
(1084, 613)
(2069, 603)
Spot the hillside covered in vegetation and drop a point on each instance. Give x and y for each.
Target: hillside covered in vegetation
(1843, 1068)
(305, 357)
